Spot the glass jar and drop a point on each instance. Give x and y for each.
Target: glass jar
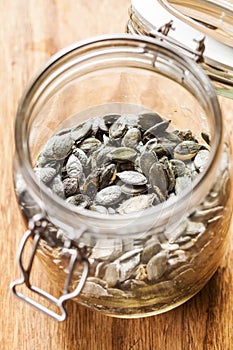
(200, 29)
(139, 263)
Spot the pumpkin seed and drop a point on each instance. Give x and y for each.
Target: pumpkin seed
(122, 154)
(99, 209)
(58, 147)
(94, 290)
(146, 160)
(112, 274)
(57, 186)
(70, 186)
(108, 175)
(182, 184)
(110, 119)
(135, 204)
(118, 128)
(149, 251)
(131, 120)
(158, 177)
(186, 150)
(134, 190)
(127, 263)
(201, 159)
(100, 157)
(90, 144)
(178, 167)
(79, 200)
(131, 138)
(156, 129)
(163, 149)
(92, 183)
(157, 265)
(98, 123)
(74, 167)
(45, 174)
(169, 173)
(81, 131)
(132, 178)
(109, 196)
(80, 155)
(148, 120)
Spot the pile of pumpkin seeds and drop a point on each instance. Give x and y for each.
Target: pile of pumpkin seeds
(121, 163)
(124, 164)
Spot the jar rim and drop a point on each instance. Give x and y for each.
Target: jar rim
(67, 213)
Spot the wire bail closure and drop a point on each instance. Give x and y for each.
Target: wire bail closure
(36, 228)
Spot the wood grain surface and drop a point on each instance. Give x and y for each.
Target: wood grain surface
(30, 32)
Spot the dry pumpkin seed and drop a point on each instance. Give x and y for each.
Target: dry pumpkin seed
(109, 195)
(133, 178)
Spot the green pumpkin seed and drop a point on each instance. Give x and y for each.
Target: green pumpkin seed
(148, 120)
(122, 154)
(146, 160)
(158, 177)
(186, 150)
(90, 144)
(118, 128)
(178, 167)
(156, 129)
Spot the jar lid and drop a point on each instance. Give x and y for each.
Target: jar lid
(200, 29)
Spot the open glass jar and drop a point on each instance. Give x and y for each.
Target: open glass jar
(170, 233)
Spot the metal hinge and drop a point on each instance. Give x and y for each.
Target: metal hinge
(36, 229)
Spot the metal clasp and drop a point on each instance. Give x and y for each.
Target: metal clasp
(166, 28)
(37, 226)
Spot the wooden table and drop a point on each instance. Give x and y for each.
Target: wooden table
(31, 31)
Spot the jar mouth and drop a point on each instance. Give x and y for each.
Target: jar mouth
(61, 212)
